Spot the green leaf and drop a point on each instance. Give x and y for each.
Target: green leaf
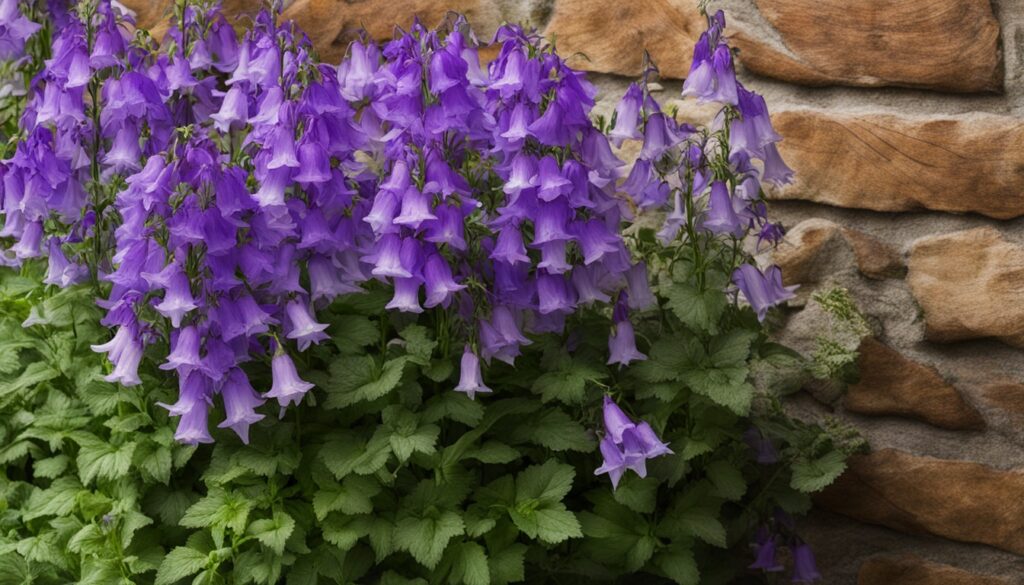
(273, 532)
(470, 566)
(815, 475)
(353, 332)
(507, 565)
(154, 460)
(637, 494)
(556, 524)
(98, 459)
(426, 538)
(703, 522)
(57, 500)
(698, 310)
(549, 482)
(568, 384)
(345, 531)
(357, 379)
(418, 344)
(727, 479)
(555, 430)
(679, 565)
(455, 406)
(221, 509)
(493, 452)
(51, 467)
(724, 386)
(35, 373)
(352, 496)
(178, 564)
(348, 454)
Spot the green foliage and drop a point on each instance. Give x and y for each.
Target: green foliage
(385, 475)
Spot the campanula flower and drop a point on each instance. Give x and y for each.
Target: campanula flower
(762, 290)
(288, 388)
(470, 380)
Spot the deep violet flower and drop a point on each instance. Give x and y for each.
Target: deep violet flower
(805, 569)
(240, 402)
(765, 550)
(288, 388)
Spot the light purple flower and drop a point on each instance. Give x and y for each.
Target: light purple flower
(303, 327)
(288, 388)
(470, 380)
(240, 402)
(762, 291)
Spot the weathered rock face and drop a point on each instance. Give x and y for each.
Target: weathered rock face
(970, 284)
(1008, 396)
(950, 45)
(892, 384)
(912, 570)
(817, 248)
(958, 500)
(892, 163)
(624, 30)
(333, 24)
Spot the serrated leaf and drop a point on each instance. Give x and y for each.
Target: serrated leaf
(221, 509)
(556, 524)
(455, 406)
(418, 344)
(273, 532)
(816, 475)
(679, 565)
(348, 454)
(354, 332)
(567, 384)
(637, 494)
(557, 431)
(493, 452)
(357, 379)
(51, 467)
(549, 482)
(352, 496)
(727, 479)
(507, 565)
(470, 566)
(426, 538)
(98, 459)
(698, 310)
(180, 563)
(422, 440)
(703, 522)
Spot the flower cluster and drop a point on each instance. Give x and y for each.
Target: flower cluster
(497, 196)
(770, 537)
(627, 444)
(15, 29)
(713, 177)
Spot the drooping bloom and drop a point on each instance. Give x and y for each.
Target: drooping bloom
(626, 444)
(622, 342)
(762, 290)
(288, 388)
(762, 447)
(470, 380)
(805, 570)
(240, 402)
(712, 75)
(304, 328)
(765, 551)
(627, 115)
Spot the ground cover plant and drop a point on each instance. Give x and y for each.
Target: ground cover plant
(404, 319)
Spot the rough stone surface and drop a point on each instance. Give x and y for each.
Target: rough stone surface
(949, 45)
(610, 37)
(333, 24)
(892, 384)
(958, 500)
(913, 570)
(894, 163)
(970, 284)
(817, 248)
(1007, 396)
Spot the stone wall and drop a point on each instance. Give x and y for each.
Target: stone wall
(903, 121)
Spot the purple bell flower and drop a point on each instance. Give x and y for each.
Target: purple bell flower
(805, 570)
(177, 299)
(288, 388)
(470, 380)
(721, 216)
(626, 445)
(614, 463)
(762, 291)
(509, 247)
(407, 295)
(622, 341)
(234, 111)
(124, 350)
(764, 450)
(440, 285)
(240, 402)
(765, 551)
(712, 77)
(627, 116)
(303, 327)
(184, 355)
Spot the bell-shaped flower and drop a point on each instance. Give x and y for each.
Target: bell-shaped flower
(586, 281)
(407, 295)
(638, 284)
(177, 299)
(805, 569)
(448, 228)
(303, 328)
(470, 380)
(552, 183)
(440, 284)
(509, 247)
(287, 387)
(554, 294)
(614, 463)
(765, 551)
(124, 350)
(240, 402)
(627, 116)
(596, 240)
(721, 215)
(234, 110)
(762, 290)
(712, 77)
(659, 136)
(415, 209)
(553, 257)
(314, 164)
(184, 355)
